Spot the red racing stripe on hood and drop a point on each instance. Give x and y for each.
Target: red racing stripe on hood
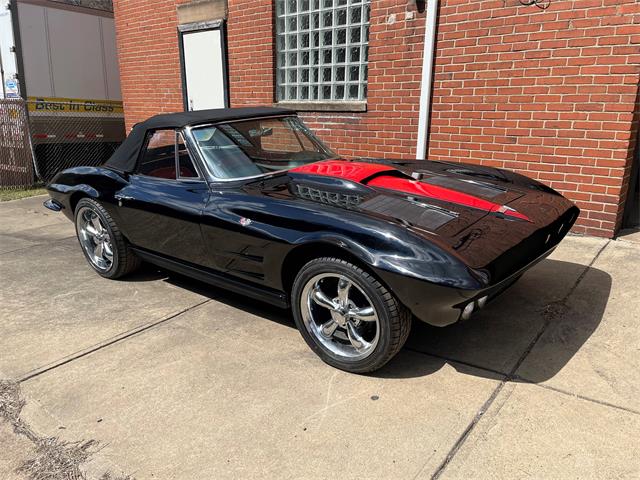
(422, 189)
(361, 171)
(354, 171)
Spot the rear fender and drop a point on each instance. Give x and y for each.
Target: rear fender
(69, 186)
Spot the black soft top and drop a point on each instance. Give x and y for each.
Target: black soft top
(124, 159)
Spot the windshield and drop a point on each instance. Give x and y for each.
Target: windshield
(254, 147)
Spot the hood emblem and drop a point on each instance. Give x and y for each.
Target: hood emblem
(245, 222)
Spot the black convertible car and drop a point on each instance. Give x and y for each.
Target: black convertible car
(250, 200)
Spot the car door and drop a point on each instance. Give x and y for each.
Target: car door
(161, 207)
(236, 244)
(238, 219)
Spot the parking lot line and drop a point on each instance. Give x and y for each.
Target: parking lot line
(105, 343)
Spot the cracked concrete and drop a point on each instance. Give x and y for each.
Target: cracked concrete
(179, 380)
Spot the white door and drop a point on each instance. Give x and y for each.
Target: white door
(204, 69)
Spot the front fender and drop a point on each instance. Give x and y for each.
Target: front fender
(399, 252)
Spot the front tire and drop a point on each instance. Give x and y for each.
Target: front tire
(347, 317)
(103, 245)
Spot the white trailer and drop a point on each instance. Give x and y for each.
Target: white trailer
(62, 60)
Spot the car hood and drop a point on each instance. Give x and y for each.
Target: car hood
(478, 212)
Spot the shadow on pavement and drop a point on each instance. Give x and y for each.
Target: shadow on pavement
(497, 337)
(489, 345)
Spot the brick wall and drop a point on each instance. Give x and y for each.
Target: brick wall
(551, 94)
(149, 58)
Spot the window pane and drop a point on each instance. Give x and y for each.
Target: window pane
(327, 38)
(292, 24)
(321, 45)
(355, 35)
(354, 73)
(327, 19)
(354, 56)
(356, 15)
(159, 157)
(353, 92)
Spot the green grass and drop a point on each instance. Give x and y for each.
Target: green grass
(17, 193)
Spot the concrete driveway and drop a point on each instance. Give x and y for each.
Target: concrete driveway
(178, 380)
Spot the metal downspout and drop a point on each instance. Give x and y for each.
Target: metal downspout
(426, 85)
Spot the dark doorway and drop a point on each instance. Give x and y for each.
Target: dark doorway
(631, 217)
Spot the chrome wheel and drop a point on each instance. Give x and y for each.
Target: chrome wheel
(94, 238)
(340, 316)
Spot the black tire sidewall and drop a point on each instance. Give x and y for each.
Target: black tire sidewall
(366, 283)
(106, 220)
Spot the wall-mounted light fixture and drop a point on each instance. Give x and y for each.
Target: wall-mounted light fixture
(543, 4)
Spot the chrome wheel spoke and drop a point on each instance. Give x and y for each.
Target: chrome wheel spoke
(344, 285)
(96, 224)
(321, 299)
(329, 328)
(355, 338)
(108, 251)
(366, 314)
(99, 250)
(91, 231)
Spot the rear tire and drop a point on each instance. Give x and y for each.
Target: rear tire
(347, 317)
(103, 245)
